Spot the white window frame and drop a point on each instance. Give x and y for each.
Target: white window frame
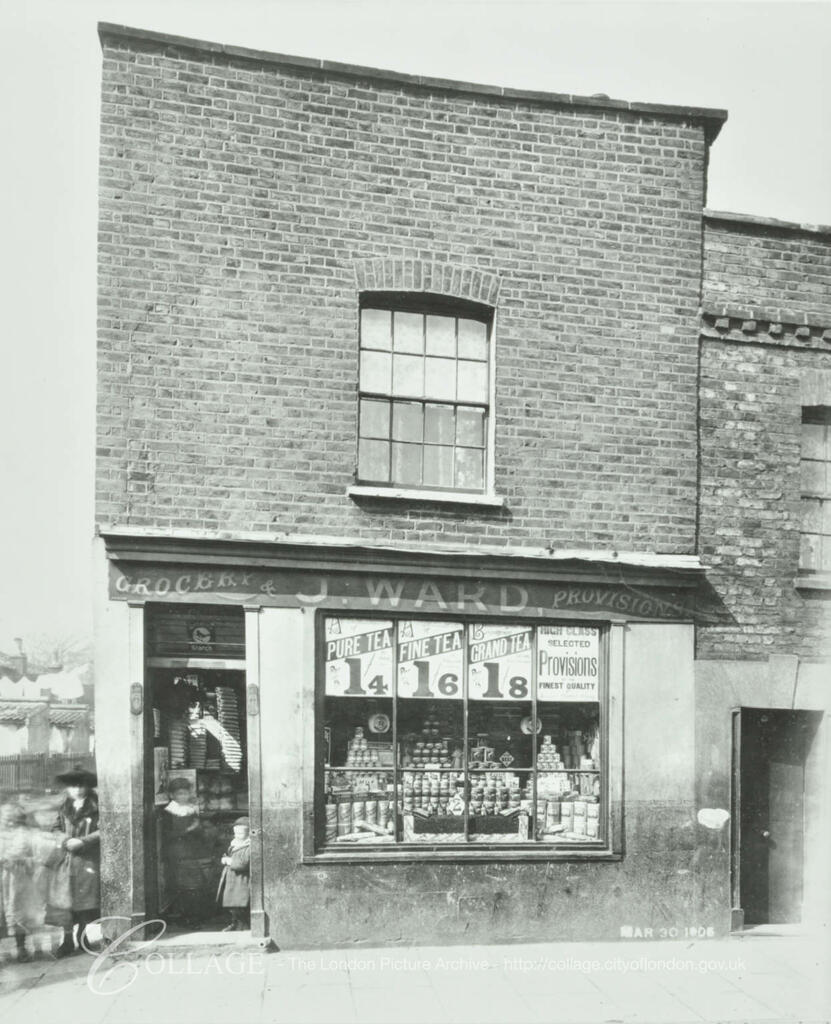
(448, 305)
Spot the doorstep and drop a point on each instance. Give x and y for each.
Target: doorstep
(184, 943)
(778, 931)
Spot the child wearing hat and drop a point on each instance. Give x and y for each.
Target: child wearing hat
(234, 890)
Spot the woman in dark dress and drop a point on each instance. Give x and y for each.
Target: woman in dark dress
(77, 821)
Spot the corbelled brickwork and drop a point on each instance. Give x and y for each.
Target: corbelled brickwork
(243, 202)
(756, 374)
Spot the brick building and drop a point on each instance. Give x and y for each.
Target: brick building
(449, 463)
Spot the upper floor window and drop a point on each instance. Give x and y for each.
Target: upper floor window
(815, 465)
(424, 393)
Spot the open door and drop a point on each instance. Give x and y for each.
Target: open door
(770, 752)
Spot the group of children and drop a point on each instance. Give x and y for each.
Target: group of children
(51, 877)
(188, 863)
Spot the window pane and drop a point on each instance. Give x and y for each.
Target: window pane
(813, 441)
(375, 372)
(375, 328)
(375, 418)
(438, 424)
(438, 466)
(500, 671)
(408, 332)
(406, 463)
(407, 421)
(810, 551)
(374, 460)
(568, 773)
(812, 515)
(470, 427)
(470, 473)
(813, 477)
(408, 376)
(358, 780)
(440, 381)
(441, 336)
(473, 340)
(473, 382)
(431, 723)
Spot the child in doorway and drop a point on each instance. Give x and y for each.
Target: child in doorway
(234, 890)
(185, 851)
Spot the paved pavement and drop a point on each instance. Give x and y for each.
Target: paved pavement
(748, 978)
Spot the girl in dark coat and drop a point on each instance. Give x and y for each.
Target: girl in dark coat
(185, 852)
(77, 820)
(234, 890)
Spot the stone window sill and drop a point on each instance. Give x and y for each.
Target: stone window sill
(813, 581)
(464, 855)
(445, 497)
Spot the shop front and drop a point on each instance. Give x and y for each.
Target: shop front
(429, 747)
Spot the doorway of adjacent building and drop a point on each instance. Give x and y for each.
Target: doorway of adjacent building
(771, 750)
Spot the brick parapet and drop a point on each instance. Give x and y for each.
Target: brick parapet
(765, 270)
(711, 119)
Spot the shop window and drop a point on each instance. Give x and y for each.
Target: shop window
(445, 732)
(425, 376)
(815, 472)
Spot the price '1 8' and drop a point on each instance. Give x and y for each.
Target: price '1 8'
(447, 684)
(517, 685)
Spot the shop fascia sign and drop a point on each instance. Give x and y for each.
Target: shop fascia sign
(394, 593)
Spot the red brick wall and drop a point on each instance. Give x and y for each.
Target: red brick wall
(778, 273)
(237, 198)
(754, 380)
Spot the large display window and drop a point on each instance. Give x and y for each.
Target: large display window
(440, 732)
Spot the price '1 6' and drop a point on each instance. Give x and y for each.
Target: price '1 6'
(447, 684)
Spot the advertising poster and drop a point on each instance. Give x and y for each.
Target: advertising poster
(359, 657)
(500, 662)
(430, 659)
(568, 663)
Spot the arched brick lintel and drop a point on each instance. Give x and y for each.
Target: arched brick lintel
(411, 275)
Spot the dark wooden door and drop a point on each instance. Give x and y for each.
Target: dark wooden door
(774, 746)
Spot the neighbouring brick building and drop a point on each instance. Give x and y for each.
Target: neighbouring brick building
(462, 508)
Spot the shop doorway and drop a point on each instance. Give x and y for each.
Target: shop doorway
(771, 750)
(197, 762)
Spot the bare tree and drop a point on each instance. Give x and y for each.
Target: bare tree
(57, 650)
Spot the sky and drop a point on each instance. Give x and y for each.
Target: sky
(766, 63)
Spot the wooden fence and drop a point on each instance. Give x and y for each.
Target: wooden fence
(27, 772)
